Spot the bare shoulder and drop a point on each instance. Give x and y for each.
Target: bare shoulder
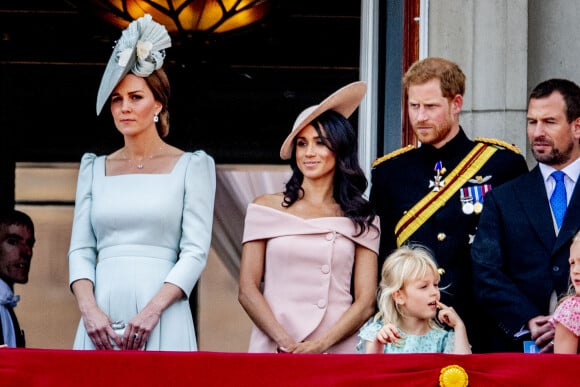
(270, 200)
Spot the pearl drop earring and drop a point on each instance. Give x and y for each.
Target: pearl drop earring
(155, 118)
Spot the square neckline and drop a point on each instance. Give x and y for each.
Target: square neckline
(144, 174)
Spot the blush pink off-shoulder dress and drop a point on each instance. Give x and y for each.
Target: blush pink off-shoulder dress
(308, 271)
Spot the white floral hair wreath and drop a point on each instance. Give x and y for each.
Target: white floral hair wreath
(140, 50)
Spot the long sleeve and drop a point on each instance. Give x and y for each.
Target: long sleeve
(494, 286)
(83, 252)
(199, 195)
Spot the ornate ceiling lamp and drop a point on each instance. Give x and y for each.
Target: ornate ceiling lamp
(184, 17)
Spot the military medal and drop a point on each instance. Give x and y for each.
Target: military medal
(466, 202)
(472, 198)
(437, 183)
(479, 192)
(467, 208)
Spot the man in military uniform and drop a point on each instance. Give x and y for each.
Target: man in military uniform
(433, 194)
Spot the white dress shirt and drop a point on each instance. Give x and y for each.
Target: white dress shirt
(7, 297)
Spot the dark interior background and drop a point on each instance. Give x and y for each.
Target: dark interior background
(235, 95)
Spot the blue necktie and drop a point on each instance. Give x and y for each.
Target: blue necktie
(558, 199)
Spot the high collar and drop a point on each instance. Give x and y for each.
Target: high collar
(7, 296)
(455, 147)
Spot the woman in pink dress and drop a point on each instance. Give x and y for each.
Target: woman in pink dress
(309, 260)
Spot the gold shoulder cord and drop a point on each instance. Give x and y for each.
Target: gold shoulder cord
(392, 154)
(500, 143)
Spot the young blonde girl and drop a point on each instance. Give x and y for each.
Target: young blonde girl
(566, 318)
(407, 321)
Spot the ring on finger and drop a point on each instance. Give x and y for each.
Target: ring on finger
(135, 336)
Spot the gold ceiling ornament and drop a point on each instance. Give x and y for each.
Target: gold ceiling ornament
(184, 17)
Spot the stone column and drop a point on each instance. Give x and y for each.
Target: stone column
(489, 40)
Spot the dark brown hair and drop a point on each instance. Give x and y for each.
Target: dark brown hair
(159, 85)
(569, 90)
(349, 179)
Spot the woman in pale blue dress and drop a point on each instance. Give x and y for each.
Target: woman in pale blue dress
(407, 321)
(143, 214)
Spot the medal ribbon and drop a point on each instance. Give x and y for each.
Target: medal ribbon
(466, 194)
(413, 219)
(475, 193)
(478, 192)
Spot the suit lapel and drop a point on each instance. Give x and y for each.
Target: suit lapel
(19, 333)
(536, 206)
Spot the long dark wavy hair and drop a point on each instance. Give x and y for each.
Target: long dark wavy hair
(349, 179)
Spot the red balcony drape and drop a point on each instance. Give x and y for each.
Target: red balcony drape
(39, 367)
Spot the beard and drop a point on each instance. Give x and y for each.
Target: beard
(438, 133)
(555, 156)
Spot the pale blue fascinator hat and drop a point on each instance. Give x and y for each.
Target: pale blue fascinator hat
(140, 50)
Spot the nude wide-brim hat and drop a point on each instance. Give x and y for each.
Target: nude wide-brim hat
(343, 101)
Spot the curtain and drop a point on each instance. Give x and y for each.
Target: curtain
(236, 187)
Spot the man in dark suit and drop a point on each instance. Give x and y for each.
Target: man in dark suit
(16, 243)
(433, 194)
(521, 249)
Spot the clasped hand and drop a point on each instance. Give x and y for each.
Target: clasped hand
(542, 332)
(303, 347)
(99, 328)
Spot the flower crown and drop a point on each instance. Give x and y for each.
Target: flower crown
(140, 50)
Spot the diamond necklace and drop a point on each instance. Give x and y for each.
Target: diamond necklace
(139, 163)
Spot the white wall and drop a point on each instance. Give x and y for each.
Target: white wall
(554, 41)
